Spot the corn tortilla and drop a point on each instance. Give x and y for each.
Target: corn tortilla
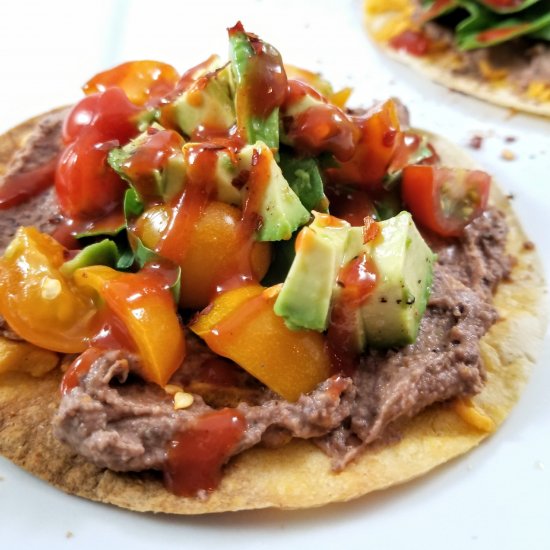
(297, 475)
(380, 15)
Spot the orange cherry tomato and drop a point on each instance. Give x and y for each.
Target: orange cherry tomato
(145, 82)
(37, 301)
(85, 184)
(213, 251)
(144, 304)
(380, 137)
(242, 326)
(445, 200)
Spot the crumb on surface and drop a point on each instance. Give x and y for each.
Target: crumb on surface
(476, 141)
(506, 154)
(69, 535)
(510, 139)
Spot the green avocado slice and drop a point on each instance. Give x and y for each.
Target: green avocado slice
(246, 52)
(304, 177)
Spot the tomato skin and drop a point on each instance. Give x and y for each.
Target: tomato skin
(37, 300)
(144, 82)
(80, 116)
(86, 185)
(445, 200)
(380, 138)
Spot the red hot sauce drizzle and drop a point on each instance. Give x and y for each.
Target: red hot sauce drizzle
(153, 154)
(321, 127)
(195, 457)
(79, 367)
(240, 272)
(200, 189)
(17, 188)
(357, 279)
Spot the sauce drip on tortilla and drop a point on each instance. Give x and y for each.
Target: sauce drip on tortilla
(195, 457)
(19, 187)
(78, 368)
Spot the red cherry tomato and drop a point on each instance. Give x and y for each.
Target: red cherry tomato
(144, 82)
(80, 117)
(445, 200)
(86, 186)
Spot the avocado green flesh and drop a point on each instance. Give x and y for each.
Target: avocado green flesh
(304, 177)
(391, 315)
(255, 128)
(304, 301)
(165, 183)
(280, 208)
(210, 106)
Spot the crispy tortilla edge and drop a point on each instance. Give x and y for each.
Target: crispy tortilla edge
(297, 475)
(438, 68)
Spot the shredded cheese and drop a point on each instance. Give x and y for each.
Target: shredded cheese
(392, 18)
(490, 73)
(376, 7)
(539, 90)
(473, 415)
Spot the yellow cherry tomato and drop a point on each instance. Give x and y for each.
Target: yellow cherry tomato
(241, 325)
(144, 304)
(37, 301)
(211, 250)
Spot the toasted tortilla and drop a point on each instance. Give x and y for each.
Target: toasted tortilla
(299, 474)
(439, 66)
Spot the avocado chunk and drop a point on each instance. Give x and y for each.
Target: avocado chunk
(207, 102)
(305, 299)
(260, 86)
(404, 263)
(304, 177)
(225, 171)
(279, 208)
(152, 175)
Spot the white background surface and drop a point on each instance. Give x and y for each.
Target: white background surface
(498, 496)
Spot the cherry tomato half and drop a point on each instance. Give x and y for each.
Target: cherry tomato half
(445, 200)
(86, 186)
(380, 137)
(144, 82)
(39, 303)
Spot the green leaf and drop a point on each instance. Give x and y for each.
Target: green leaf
(490, 4)
(541, 34)
(508, 29)
(133, 205)
(104, 252)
